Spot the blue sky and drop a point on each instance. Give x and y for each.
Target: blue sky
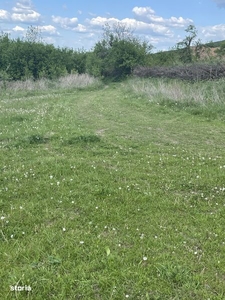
(78, 24)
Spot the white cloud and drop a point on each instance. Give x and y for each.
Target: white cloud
(144, 12)
(147, 15)
(65, 23)
(146, 27)
(80, 28)
(146, 22)
(4, 15)
(216, 32)
(100, 21)
(18, 28)
(137, 26)
(179, 22)
(32, 16)
(23, 12)
(49, 29)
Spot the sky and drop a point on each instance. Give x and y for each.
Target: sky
(78, 24)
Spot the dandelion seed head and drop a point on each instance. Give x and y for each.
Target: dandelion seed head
(145, 258)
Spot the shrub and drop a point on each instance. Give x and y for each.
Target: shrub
(117, 53)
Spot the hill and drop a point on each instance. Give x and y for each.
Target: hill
(215, 44)
(168, 57)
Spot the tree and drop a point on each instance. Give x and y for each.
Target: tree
(33, 35)
(185, 47)
(117, 53)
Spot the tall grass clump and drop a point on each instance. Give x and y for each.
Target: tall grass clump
(77, 81)
(70, 81)
(198, 97)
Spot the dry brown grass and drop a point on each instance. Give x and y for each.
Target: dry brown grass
(69, 81)
(77, 81)
(201, 93)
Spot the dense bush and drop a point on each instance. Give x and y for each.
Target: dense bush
(117, 53)
(23, 59)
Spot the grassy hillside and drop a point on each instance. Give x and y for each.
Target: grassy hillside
(113, 193)
(169, 57)
(215, 44)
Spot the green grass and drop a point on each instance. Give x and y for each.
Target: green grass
(107, 195)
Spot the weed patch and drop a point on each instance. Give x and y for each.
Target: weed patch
(82, 139)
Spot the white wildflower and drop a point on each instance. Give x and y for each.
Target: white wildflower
(145, 258)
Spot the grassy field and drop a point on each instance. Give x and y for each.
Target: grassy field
(113, 192)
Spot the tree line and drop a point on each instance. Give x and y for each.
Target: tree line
(115, 56)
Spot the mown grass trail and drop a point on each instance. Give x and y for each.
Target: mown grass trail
(105, 195)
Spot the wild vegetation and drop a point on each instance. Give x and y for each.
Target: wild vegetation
(111, 190)
(114, 57)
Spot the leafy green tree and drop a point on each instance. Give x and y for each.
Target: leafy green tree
(75, 60)
(5, 43)
(117, 53)
(163, 58)
(31, 58)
